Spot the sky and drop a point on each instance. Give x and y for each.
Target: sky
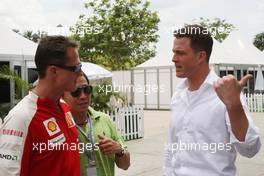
(247, 16)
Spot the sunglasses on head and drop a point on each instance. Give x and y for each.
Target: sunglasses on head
(74, 68)
(87, 89)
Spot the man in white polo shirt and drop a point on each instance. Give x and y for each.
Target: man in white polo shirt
(210, 121)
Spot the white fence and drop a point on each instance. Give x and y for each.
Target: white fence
(129, 121)
(255, 102)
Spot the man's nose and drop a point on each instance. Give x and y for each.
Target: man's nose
(174, 58)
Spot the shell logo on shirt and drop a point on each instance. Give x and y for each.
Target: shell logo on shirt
(51, 126)
(69, 120)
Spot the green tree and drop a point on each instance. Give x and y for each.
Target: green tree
(259, 41)
(33, 36)
(118, 34)
(219, 28)
(102, 95)
(16, 31)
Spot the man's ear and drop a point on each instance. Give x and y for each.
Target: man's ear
(52, 70)
(202, 56)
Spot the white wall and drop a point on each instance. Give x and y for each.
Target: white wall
(152, 87)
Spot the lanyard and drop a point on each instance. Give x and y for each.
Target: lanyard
(91, 132)
(91, 169)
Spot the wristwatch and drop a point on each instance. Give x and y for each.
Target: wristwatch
(122, 152)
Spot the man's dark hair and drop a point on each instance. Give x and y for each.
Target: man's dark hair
(52, 50)
(200, 38)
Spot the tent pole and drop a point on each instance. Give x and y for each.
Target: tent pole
(158, 92)
(145, 82)
(132, 93)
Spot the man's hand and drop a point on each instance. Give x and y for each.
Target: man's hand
(108, 146)
(228, 89)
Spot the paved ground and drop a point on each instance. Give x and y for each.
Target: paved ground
(147, 153)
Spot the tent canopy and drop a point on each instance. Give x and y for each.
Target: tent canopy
(94, 71)
(234, 50)
(156, 62)
(15, 45)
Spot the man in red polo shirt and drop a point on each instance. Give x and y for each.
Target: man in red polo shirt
(38, 136)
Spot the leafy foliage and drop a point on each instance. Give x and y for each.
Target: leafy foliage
(103, 95)
(219, 28)
(33, 36)
(259, 41)
(8, 74)
(118, 34)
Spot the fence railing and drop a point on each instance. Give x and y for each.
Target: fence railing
(255, 102)
(129, 121)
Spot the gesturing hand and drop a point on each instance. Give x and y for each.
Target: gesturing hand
(228, 89)
(108, 146)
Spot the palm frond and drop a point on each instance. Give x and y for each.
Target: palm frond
(7, 74)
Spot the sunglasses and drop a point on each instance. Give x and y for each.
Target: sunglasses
(87, 89)
(75, 68)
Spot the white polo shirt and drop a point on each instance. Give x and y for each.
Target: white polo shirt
(201, 142)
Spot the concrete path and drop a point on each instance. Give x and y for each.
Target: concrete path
(147, 153)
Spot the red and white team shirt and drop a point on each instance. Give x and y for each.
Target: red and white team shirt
(37, 138)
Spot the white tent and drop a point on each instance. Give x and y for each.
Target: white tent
(235, 55)
(236, 50)
(14, 47)
(156, 62)
(94, 71)
(18, 53)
